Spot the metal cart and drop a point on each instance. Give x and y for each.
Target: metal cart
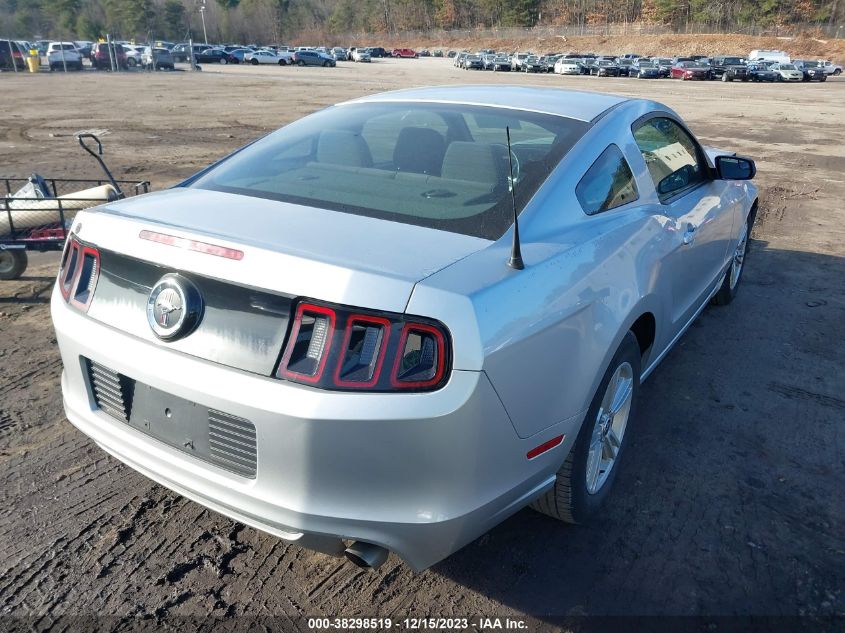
(40, 221)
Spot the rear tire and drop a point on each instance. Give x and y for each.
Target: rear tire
(13, 263)
(730, 286)
(581, 486)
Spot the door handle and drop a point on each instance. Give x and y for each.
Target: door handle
(689, 234)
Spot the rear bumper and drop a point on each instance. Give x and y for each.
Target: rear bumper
(418, 474)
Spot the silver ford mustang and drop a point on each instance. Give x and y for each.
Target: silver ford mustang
(339, 335)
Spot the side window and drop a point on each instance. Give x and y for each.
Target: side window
(671, 155)
(607, 184)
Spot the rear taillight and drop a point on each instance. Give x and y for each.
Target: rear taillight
(347, 349)
(78, 274)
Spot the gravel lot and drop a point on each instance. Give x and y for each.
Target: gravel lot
(729, 498)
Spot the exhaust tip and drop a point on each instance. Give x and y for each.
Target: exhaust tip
(366, 555)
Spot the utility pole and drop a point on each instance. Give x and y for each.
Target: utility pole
(202, 16)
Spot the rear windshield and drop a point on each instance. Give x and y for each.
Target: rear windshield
(440, 166)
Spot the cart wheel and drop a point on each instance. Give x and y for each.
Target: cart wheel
(13, 263)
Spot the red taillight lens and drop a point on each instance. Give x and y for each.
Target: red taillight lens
(79, 273)
(346, 349)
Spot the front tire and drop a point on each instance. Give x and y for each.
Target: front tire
(254, 62)
(586, 477)
(730, 286)
(13, 263)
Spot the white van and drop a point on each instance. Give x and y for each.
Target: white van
(769, 55)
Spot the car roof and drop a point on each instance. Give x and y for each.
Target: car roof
(573, 104)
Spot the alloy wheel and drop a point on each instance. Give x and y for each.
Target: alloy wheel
(609, 427)
(739, 258)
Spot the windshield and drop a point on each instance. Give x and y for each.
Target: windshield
(441, 166)
(786, 67)
(733, 61)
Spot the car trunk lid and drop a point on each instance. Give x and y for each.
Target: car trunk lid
(278, 252)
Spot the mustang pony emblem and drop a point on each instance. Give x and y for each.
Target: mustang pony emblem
(174, 307)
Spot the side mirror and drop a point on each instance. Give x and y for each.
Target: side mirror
(674, 181)
(735, 168)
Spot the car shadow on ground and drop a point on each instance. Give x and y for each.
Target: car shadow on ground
(730, 487)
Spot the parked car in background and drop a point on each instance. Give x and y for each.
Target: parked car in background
(267, 56)
(404, 52)
(340, 54)
(472, 62)
(12, 57)
(237, 55)
(517, 59)
(569, 66)
(378, 397)
(459, 59)
(664, 65)
(157, 58)
(811, 70)
(182, 52)
(501, 63)
(212, 56)
(438, 53)
(133, 55)
(313, 58)
(424, 53)
(548, 62)
(626, 66)
(85, 47)
(729, 68)
(532, 64)
(644, 69)
(830, 68)
(451, 54)
(760, 71)
(378, 51)
(61, 55)
(104, 56)
(361, 55)
(787, 72)
(604, 68)
(691, 70)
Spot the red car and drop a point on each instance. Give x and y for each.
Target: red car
(690, 70)
(403, 52)
(101, 59)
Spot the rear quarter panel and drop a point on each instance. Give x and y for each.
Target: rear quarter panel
(547, 333)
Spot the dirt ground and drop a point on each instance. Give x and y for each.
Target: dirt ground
(732, 490)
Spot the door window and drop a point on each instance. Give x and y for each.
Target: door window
(671, 155)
